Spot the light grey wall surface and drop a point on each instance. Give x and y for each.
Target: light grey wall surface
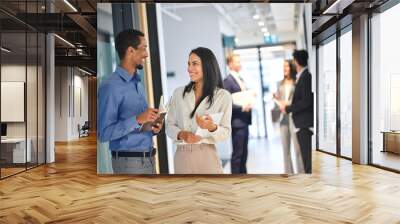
(67, 85)
(199, 27)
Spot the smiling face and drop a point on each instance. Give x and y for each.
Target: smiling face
(286, 69)
(138, 55)
(195, 68)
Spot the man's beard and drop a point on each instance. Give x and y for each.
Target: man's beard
(139, 66)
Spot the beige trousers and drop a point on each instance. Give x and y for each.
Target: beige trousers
(197, 159)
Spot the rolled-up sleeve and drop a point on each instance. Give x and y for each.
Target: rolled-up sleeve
(171, 123)
(224, 127)
(110, 127)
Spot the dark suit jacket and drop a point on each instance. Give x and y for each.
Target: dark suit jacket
(240, 119)
(302, 107)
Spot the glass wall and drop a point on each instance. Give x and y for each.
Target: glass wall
(13, 87)
(385, 89)
(346, 93)
(327, 96)
(22, 90)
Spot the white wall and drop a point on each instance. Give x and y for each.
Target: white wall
(69, 82)
(199, 27)
(304, 23)
(61, 103)
(33, 126)
(16, 73)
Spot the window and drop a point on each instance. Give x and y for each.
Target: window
(346, 94)
(22, 65)
(327, 97)
(385, 89)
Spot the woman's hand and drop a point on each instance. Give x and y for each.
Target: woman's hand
(247, 108)
(188, 137)
(206, 122)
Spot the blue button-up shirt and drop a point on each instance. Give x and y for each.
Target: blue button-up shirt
(121, 97)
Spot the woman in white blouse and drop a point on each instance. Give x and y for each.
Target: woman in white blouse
(190, 116)
(288, 135)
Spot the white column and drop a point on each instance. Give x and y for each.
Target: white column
(50, 94)
(360, 90)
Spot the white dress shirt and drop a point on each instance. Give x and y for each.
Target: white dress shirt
(236, 76)
(299, 74)
(180, 108)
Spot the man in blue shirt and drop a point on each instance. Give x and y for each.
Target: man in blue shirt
(122, 109)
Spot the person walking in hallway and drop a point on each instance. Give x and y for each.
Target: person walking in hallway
(241, 117)
(123, 109)
(302, 107)
(199, 116)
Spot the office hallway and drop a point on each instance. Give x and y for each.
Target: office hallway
(70, 191)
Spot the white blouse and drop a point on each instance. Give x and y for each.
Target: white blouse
(178, 116)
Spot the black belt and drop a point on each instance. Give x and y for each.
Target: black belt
(134, 154)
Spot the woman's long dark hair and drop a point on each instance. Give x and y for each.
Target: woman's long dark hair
(292, 70)
(211, 76)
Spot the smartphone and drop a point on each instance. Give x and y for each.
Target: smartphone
(148, 125)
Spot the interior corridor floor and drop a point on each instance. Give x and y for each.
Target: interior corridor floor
(266, 157)
(266, 154)
(71, 191)
(386, 159)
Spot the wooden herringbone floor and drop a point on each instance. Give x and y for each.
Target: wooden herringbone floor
(70, 191)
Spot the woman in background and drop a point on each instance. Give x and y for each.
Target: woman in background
(284, 94)
(194, 106)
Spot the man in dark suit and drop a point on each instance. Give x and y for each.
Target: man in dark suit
(241, 117)
(302, 107)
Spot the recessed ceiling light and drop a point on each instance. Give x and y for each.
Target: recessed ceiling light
(264, 29)
(84, 71)
(266, 34)
(261, 23)
(334, 7)
(64, 40)
(5, 50)
(256, 16)
(70, 5)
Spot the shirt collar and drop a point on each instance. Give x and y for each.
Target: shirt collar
(234, 73)
(126, 76)
(299, 74)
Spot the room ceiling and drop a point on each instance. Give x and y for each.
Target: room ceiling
(72, 20)
(243, 19)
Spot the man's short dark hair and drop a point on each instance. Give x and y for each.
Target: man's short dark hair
(125, 39)
(301, 56)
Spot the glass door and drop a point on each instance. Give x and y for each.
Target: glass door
(327, 96)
